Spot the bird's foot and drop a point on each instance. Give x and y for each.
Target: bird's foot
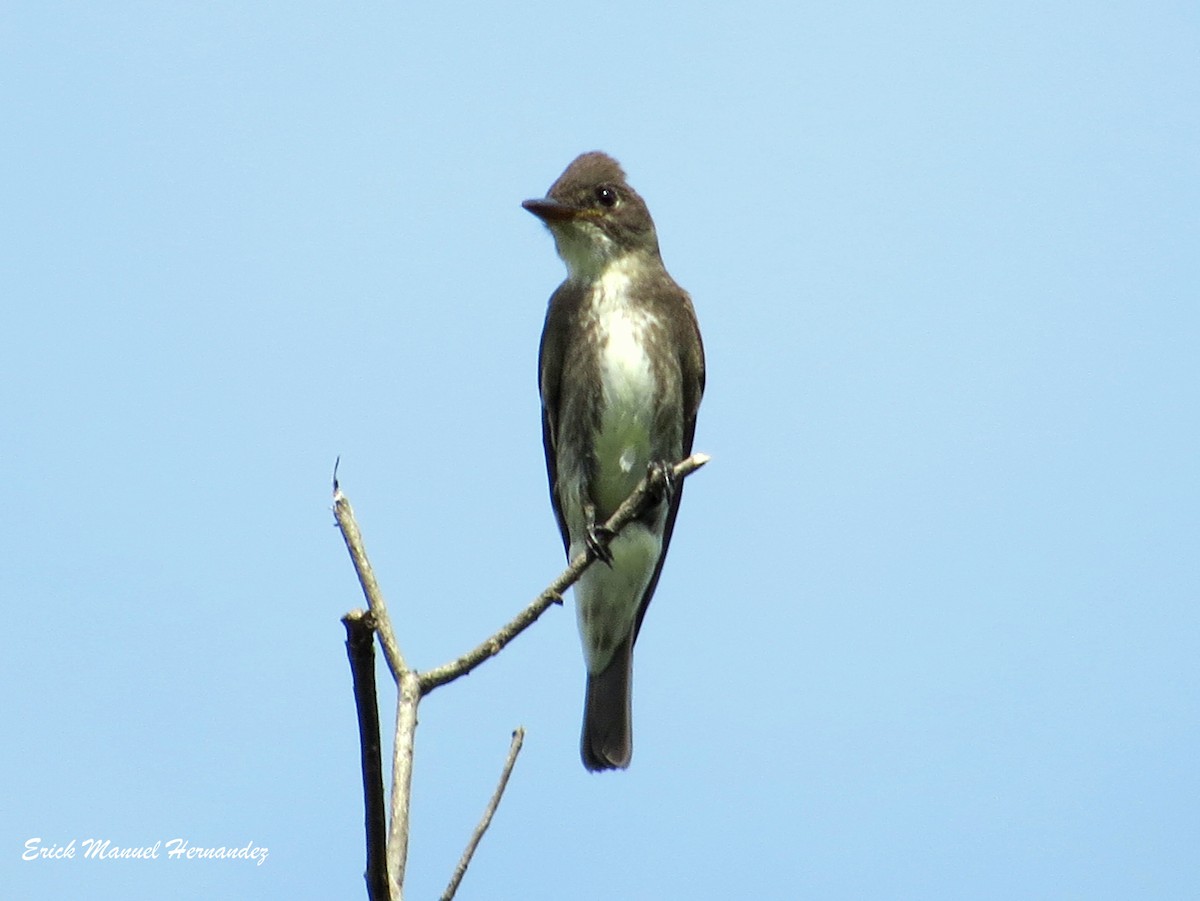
(597, 537)
(662, 480)
(597, 540)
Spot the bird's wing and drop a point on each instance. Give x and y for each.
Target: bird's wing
(550, 367)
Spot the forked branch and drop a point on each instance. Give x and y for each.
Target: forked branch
(413, 686)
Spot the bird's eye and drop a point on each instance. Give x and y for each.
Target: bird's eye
(606, 195)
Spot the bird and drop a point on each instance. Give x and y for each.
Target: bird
(621, 375)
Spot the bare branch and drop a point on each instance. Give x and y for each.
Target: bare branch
(407, 698)
(360, 648)
(518, 737)
(344, 514)
(413, 686)
(647, 489)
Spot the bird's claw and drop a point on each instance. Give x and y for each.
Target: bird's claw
(662, 476)
(597, 540)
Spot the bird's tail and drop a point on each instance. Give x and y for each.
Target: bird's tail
(607, 742)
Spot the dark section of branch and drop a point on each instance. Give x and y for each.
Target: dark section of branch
(360, 648)
(518, 737)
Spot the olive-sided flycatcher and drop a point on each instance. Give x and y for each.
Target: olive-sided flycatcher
(621, 372)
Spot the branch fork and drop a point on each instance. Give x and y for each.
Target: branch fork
(387, 858)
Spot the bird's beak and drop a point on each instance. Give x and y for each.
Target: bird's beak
(550, 210)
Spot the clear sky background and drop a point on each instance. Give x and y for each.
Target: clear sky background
(929, 628)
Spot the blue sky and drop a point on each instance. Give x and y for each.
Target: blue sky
(929, 628)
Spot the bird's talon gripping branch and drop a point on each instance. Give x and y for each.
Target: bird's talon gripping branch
(597, 540)
(662, 479)
(597, 536)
